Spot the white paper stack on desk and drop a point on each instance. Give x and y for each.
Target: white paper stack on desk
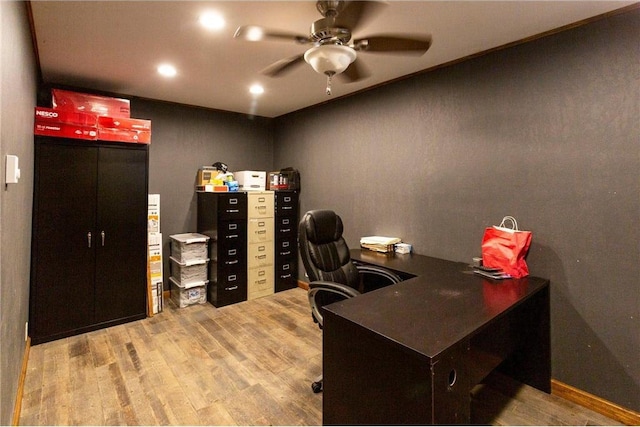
(379, 243)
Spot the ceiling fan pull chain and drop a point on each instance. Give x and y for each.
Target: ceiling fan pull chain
(329, 84)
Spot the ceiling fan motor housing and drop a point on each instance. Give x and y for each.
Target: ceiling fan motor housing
(324, 31)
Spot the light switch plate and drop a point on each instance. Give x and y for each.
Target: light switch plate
(12, 171)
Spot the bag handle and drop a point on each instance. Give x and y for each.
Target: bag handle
(514, 223)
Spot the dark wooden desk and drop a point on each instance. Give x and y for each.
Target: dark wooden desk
(410, 353)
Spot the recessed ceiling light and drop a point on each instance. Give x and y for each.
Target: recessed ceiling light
(254, 34)
(212, 20)
(256, 89)
(167, 70)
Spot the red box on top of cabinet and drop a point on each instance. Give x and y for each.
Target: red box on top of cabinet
(65, 130)
(124, 130)
(124, 135)
(87, 103)
(49, 115)
(124, 123)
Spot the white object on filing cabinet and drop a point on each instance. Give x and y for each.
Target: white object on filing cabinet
(251, 180)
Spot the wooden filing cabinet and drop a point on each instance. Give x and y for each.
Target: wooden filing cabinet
(286, 240)
(260, 244)
(223, 217)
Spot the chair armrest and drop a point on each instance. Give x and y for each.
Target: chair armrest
(329, 287)
(379, 271)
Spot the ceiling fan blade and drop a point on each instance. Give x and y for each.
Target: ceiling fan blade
(255, 33)
(283, 66)
(393, 43)
(354, 72)
(358, 13)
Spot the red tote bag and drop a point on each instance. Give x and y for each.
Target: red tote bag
(505, 248)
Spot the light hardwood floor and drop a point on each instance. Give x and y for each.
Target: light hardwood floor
(247, 364)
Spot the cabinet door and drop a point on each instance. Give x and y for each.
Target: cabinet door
(121, 229)
(64, 239)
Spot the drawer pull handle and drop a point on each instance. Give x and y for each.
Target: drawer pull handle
(262, 282)
(261, 199)
(285, 244)
(233, 210)
(285, 253)
(285, 230)
(261, 248)
(231, 262)
(285, 267)
(261, 257)
(232, 252)
(233, 226)
(262, 273)
(232, 236)
(286, 276)
(285, 221)
(231, 288)
(233, 201)
(232, 278)
(89, 239)
(287, 199)
(261, 232)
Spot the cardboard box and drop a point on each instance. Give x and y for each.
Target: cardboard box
(153, 213)
(49, 115)
(87, 103)
(64, 130)
(206, 175)
(251, 180)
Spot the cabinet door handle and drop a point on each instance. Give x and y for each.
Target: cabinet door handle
(102, 235)
(89, 239)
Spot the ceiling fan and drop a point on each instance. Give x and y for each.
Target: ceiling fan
(332, 51)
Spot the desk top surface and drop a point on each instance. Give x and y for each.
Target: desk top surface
(442, 305)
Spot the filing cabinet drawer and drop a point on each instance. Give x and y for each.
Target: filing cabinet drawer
(260, 230)
(286, 225)
(232, 231)
(232, 206)
(286, 274)
(286, 203)
(228, 291)
(260, 282)
(260, 254)
(286, 247)
(260, 204)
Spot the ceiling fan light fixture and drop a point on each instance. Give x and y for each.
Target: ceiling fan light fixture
(330, 59)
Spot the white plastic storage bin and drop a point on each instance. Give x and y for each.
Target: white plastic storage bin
(189, 294)
(191, 271)
(189, 246)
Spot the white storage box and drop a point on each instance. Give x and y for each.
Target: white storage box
(186, 295)
(189, 246)
(251, 180)
(189, 271)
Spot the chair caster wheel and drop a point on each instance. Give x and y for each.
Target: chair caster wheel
(316, 387)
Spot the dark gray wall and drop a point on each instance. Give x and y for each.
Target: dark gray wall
(17, 99)
(547, 132)
(185, 138)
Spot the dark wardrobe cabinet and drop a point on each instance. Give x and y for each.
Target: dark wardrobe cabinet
(89, 242)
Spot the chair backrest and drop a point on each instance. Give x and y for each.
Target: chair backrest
(323, 250)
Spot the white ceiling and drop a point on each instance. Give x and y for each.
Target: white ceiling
(115, 46)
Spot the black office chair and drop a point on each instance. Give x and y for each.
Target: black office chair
(332, 274)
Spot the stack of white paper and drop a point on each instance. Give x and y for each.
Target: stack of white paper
(379, 243)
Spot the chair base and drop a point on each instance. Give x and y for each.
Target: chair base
(316, 386)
